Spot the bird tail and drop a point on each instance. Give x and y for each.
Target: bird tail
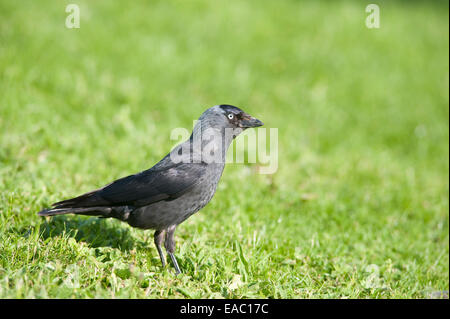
(87, 204)
(91, 211)
(91, 204)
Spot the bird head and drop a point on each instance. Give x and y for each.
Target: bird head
(228, 116)
(215, 130)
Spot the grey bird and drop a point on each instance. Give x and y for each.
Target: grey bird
(179, 185)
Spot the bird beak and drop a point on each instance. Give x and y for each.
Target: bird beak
(249, 121)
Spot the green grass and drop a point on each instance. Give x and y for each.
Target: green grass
(359, 206)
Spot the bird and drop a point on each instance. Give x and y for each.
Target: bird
(179, 185)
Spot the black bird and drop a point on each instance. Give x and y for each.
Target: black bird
(181, 184)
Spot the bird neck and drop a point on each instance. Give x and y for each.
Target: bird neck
(210, 143)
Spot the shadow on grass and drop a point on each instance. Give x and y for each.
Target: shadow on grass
(97, 232)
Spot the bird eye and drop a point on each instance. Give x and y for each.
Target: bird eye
(230, 116)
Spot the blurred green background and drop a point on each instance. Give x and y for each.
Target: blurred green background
(357, 209)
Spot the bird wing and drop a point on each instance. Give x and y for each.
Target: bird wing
(164, 181)
(154, 185)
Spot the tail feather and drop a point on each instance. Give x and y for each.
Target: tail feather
(92, 211)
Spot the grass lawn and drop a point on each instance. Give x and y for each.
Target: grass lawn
(359, 205)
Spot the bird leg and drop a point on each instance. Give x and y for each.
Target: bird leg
(169, 243)
(159, 237)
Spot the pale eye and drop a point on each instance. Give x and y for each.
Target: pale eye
(230, 116)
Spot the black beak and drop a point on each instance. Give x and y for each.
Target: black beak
(249, 121)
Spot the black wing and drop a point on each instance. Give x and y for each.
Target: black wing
(161, 182)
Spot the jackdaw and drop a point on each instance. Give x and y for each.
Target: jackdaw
(179, 185)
